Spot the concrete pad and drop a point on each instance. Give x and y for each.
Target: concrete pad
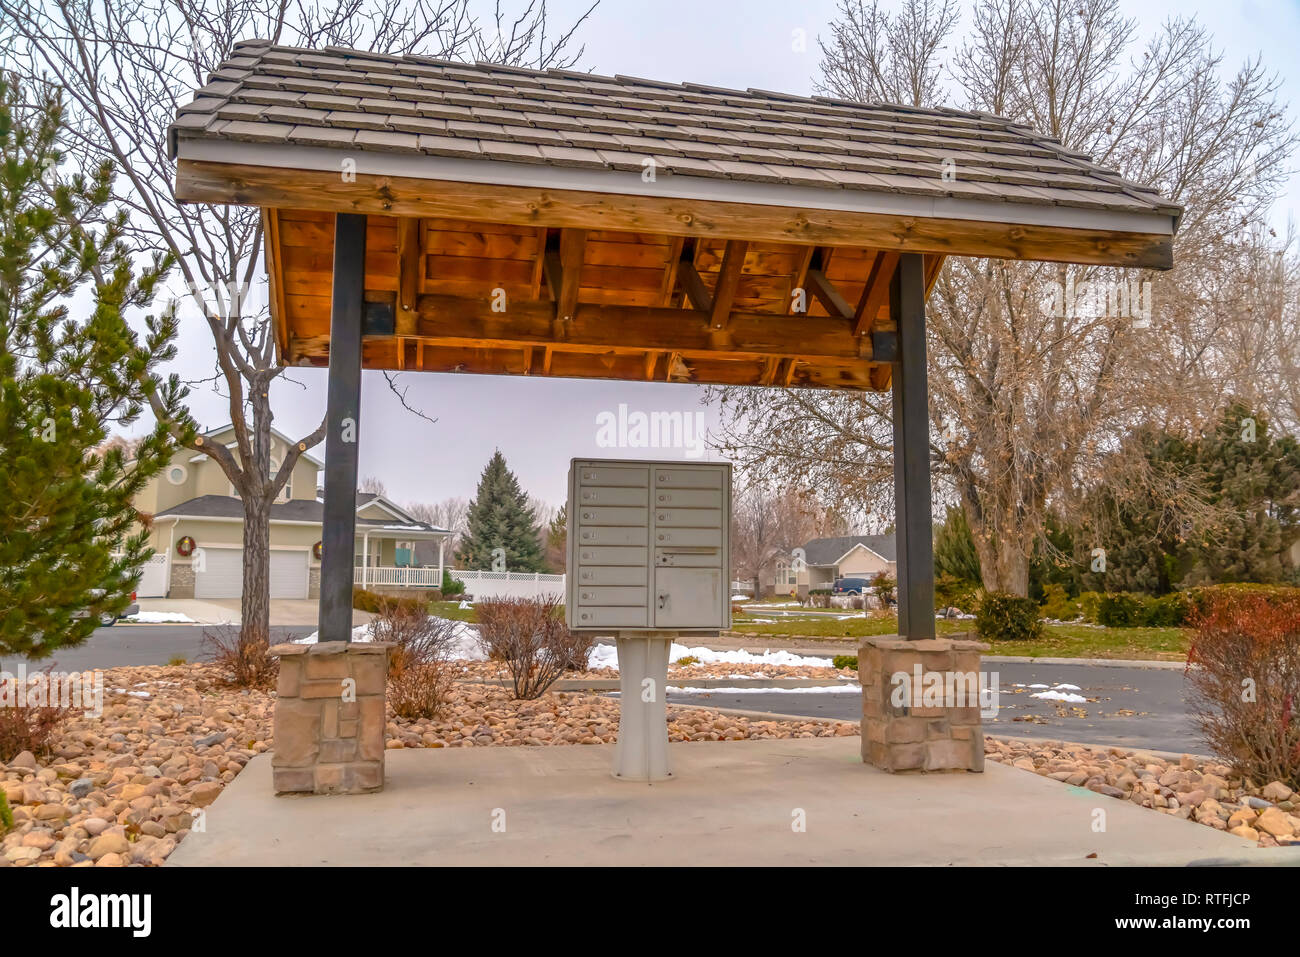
(730, 803)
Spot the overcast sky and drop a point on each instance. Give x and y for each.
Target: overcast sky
(539, 424)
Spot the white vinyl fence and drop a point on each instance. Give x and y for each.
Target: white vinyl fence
(510, 584)
(478, 584)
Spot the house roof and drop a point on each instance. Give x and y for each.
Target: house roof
(229, 427)
(829, 551)
(294, 510)
(368, 103)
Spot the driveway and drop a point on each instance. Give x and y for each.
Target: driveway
(218, 611)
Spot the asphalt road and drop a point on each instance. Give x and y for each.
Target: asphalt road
(137, 645)
(1132, 707)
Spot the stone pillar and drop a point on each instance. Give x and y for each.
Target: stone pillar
(930, 724)
(330, 717)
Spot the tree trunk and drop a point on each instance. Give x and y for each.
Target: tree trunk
(255, 605)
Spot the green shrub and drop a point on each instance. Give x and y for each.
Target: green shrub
(1167, 611)
(375, 603)
(1058, 605)
(451, 586)
(6, 815)
(1135, 610)
(959, 593)
(685, 660)
(845, 661)
(1003, 617)
(176, 660)
(1121, 610)
(1089, 602)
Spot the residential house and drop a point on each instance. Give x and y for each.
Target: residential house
(826, 559)
(198, 531)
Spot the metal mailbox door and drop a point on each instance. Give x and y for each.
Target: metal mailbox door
(688, 597)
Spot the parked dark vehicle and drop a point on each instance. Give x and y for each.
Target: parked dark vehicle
(108, 621)
(850, 586)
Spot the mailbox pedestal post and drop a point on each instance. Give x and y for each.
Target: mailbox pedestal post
(641, 753)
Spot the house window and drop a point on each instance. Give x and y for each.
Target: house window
(270, 474)
(783, 574)
(177, 474)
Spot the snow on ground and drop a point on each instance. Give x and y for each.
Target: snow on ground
(1060, 696)
(159, 618)
(606, 656)
(464, 647)
(819, 689)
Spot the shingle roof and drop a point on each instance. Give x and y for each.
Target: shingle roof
(294, 510)
(360, 101)
(827, 551)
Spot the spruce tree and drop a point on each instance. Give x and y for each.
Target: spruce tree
(499, 517)
(71, 370)
(1253, 475)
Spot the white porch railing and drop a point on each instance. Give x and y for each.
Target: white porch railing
(400, 577)
(477, 583)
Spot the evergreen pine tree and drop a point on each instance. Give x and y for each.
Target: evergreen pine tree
(499, 517)
(954, 548)
(1255, 479)
(557, 539)
(70, 371)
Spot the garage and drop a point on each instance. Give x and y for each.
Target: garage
(222, 575)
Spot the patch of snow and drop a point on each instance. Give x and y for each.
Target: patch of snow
(606, 656)
(464, 604)
(818, 689)
(1060, 696)
(464, 646)
(159, 618)
(1065, 687)
(133, 694)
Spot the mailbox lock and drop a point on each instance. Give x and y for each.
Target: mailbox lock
(663, 600)
(661, 517)
(586, 515)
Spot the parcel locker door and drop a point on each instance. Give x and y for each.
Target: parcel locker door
(688, 598)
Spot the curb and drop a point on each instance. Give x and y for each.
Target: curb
(613, 684)
(764, 715)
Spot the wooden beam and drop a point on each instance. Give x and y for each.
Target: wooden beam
(801, 280)
(200, 181)
(826, 293)
(724, 290)
(697, 294)
(573, 243)
(410, 265)
(468, 322)
(875, 295)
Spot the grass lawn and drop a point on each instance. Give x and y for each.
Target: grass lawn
(452, 610)
(1058, 641)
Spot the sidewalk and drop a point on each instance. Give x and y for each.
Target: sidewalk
(730, 804)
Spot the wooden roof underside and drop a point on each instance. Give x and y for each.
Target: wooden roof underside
(449, 295)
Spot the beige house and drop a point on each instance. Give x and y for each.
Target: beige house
(198, 531)
(825, 559)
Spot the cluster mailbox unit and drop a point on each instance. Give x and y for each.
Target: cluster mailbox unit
(649, 560)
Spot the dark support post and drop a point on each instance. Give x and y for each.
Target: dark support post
(913, 530)
(343, 417)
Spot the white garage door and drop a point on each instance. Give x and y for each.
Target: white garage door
(288, 574)
(222, 576)
(218, 573)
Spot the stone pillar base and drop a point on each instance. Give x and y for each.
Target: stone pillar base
(928, 725)
(330, 718)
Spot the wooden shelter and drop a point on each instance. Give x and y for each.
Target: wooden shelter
(429, 215)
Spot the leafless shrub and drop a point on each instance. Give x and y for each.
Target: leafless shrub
(244, 655)
(530, 636)
(1246, 686)
(28, 728)
(419, 682)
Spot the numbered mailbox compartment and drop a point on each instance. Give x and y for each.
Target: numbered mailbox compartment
(648, 545)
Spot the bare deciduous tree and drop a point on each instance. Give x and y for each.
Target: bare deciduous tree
(126, 67)
(768, 525)
(1026, 398)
